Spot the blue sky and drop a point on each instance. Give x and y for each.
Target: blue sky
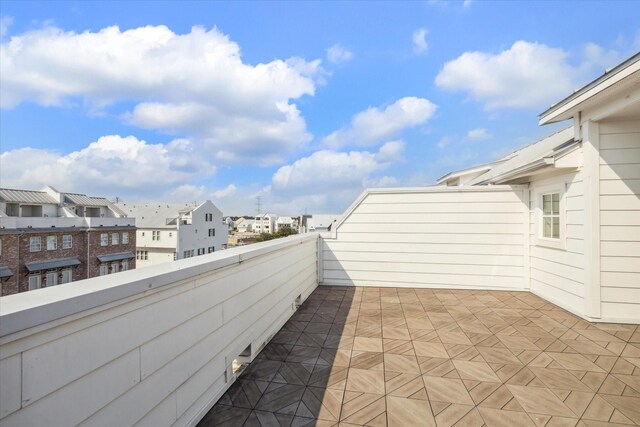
(304, 104)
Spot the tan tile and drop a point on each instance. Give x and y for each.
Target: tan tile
(575, 362)
(430, 349)
(403, 412)
(447, 390)
(476, 371)
(365, 381)
(540, 401)
(498, 355)
(498, 418)
(401, 363)
(362, 408)
(367, 344)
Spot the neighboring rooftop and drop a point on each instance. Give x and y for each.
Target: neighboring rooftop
(156, 215)
(26, 196)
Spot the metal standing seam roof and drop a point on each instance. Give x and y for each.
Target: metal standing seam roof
(26, 196)
(84, 200)
(5, 272)
(115, 257)
(52, 264)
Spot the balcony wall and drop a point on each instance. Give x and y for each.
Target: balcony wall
(434, 237)
(152, 346)
(64, 222)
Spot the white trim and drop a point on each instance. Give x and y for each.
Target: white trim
(591, 153)
(538, 239)
(526, 253)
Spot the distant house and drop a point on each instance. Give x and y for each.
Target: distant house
(265, 223)
(287, 222)
(559, 218)
(167, 232)
(321, 223)
(48, 238)
(244, 225)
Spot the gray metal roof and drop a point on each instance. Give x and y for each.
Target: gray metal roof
(5, 272)
(84, 200)
(26, 196)
(52, 264)
(115, 257)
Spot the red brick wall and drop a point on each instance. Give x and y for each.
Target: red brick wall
(16, 253)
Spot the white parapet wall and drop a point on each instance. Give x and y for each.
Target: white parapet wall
(153, 346)
(435, 237)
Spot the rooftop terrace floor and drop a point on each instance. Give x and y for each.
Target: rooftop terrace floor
(429, 357)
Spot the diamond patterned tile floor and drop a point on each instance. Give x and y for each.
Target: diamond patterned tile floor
(428, 357)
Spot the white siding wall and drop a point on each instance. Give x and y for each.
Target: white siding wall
(141, 355)
(620, 219)
(558, 274)
(467, 238)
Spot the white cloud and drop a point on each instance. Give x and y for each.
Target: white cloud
(525, 75)
(419, 38)
(5, 23)
(444, 141)
(337, 53)
(194, 84)
(228, 191)
(330, 180)
(113, 165)
(374, 125)
(478, 134)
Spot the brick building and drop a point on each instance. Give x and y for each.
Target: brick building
(48, 238)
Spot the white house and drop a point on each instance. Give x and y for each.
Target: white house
(559, 218)
(321, 223)
(287, 222)
(244, 225)
(167, 232)
(265, 223)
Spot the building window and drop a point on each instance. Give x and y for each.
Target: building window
(115, 267)
(170, 234)
(35, 244)
(212, 232)
(104, 269)
(67, 241)
(155, 235)
(185, 254)
(66, 276)
(52, 243)
(115, 238)
(211, 249)
(175, 256)
(143, 234)
(125, 238)
(104, 239)
(125, 265)
(51, 278)
(34, 282)
(0, 247)
(551, 216)
(208, 217)
(142, 255)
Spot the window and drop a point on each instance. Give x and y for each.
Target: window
(104, 239)
(142, 255)
(115, 238)
(155, 235)
(52, 243)
(170, 234)
(115, 267)
(104, 269)
(125, 238)
(551, 216)
(143, 234)
(0, 247)
(199, 251)
(175, 256)
(35, 244)
(211, 249)
(125, 265)
(185, 254)
(67, 241)
(51, 278)
(34, 282)
(212, 232)
(67, 276)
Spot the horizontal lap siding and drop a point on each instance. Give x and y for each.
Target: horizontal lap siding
(558, 274)
(620, 219)
(467, 240)
(160, 358)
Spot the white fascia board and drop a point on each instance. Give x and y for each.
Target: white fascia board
(565, 110)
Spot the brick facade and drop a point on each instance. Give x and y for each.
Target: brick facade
(85, 246)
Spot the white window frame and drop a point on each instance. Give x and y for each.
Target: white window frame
(538, 238)
(104, 239)
(36, 283)
(115, 239)
(103, 269)
(124, 265)
(0, 247)
(52, 243)
(51, 278)
(67, 276)
(35, 244)
(125, 238)
(67, 241)
(155, 235)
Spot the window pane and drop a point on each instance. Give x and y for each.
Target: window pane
(555, 205)
(547, 227)
(546, 203)
(556, 227)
